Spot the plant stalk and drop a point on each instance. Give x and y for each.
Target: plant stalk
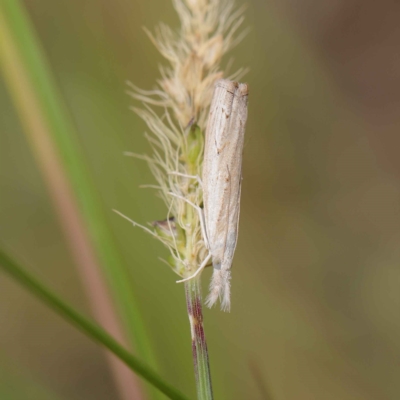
(199, 344)
(90, 329)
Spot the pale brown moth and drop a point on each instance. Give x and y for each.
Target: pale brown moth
(222, 177)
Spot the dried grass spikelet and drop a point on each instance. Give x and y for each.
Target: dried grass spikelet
(208, 30)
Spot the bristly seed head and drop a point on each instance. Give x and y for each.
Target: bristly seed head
(208, 30)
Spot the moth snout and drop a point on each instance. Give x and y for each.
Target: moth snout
(243, 89)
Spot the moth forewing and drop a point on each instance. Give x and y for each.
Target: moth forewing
(222, 175)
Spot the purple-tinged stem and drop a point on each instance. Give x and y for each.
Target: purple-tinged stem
(199, 344)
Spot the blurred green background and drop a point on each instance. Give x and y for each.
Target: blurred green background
(315, 303)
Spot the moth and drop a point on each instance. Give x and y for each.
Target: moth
(222, 181)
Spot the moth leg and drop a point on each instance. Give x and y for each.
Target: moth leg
(202, 266)
(201, 217)
(198, 179)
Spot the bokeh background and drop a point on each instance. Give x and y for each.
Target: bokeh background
(315, 308)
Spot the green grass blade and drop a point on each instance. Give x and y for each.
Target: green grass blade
(89, 328)
(33, 69)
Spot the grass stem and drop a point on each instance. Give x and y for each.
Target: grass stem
(199, 344)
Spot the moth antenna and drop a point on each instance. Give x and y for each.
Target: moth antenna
(220, 288)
